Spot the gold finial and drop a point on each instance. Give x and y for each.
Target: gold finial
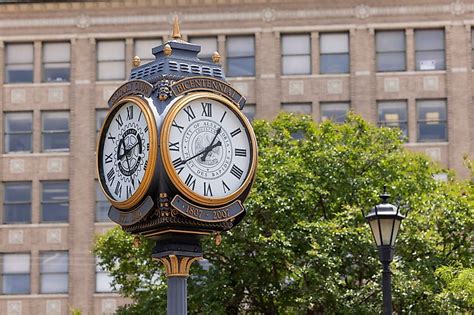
(136, 61)
(176, 31)
(218, 239)
(167, 50)
(216, 57)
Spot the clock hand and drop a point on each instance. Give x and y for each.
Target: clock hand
(120, 156)
(209, 149)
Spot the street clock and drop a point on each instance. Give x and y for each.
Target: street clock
(127, 152)
(208, 149)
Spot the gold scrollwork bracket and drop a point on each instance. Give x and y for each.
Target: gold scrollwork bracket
(178, 266)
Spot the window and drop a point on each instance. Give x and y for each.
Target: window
(15, 273)
(55, 201)
(17, 202)
(429, 50)
(56, 62)
(208, 47)
(394, 114)
(54, 268)
(432, 120)
(297, 108)
(18, 132)
(391, 50)
(143, 48)
(103, 279)
(296, 54)
(102, 205)
(336, 112)
(19, 63)
(111, 60)
(99, 119)
(240, 56)
(55, 131)
(334, 53)
(249, 111)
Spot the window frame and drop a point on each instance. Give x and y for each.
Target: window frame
(25, 202)
(229, 57)
(420, 121)
(100, 271)
(141, 39)
(43, 132)
(100, 202)
(7, 63)
(383, 123)
(379, 53)
(9, 133)
(3, 273)
(201, 56)
(44, 63)
(324, 104)
(43, 202)
(42, 273)
(321, 54)
(442, 30)
(286, 55)
(99, 61)
(285, 105)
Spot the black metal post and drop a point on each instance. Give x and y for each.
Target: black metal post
(177, 299)
(177, 252)
(386, 257)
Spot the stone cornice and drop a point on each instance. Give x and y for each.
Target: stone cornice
(83, 21)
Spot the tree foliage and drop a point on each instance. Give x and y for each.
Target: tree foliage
(304, 246)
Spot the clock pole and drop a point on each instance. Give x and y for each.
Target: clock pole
(177, 252)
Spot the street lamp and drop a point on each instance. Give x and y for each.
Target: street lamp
(384, 220)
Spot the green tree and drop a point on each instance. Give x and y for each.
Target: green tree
(304, 246)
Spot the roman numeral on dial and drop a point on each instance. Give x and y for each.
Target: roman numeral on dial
(235, 132)
(174, 146)
(180, 128)
(178, 165)
(207, 189)
(206, 109)
(188, 110)
(236, 171)
(129, 112)
(190, 181)
(225, 187)
(129, 192)
(241, 152)
(118, 189)
(108, 158)
(111, 175)
(119, 120)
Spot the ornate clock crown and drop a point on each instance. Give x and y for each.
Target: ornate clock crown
(177, 59)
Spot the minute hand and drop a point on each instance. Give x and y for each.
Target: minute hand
(205, 151)
(211, 145)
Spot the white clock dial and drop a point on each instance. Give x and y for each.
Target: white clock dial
(210, 149)
(125, 151)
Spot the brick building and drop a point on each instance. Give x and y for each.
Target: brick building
(405, 63)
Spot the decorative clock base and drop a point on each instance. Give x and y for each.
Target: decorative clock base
(177, 252)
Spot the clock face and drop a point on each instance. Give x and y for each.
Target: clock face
(126, 151)
(209, 148)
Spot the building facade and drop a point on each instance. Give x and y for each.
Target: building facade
(407, 64)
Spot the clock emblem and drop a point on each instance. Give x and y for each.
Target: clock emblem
(208, 149)
(127, 152)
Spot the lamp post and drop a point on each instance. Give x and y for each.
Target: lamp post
(384, 220)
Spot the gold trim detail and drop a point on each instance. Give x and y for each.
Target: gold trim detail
(178, 266)
(176, 31)
(216, 57)
(139, 194)
(168, 165)
(136, 61)
(167, 50)
(178, 231)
